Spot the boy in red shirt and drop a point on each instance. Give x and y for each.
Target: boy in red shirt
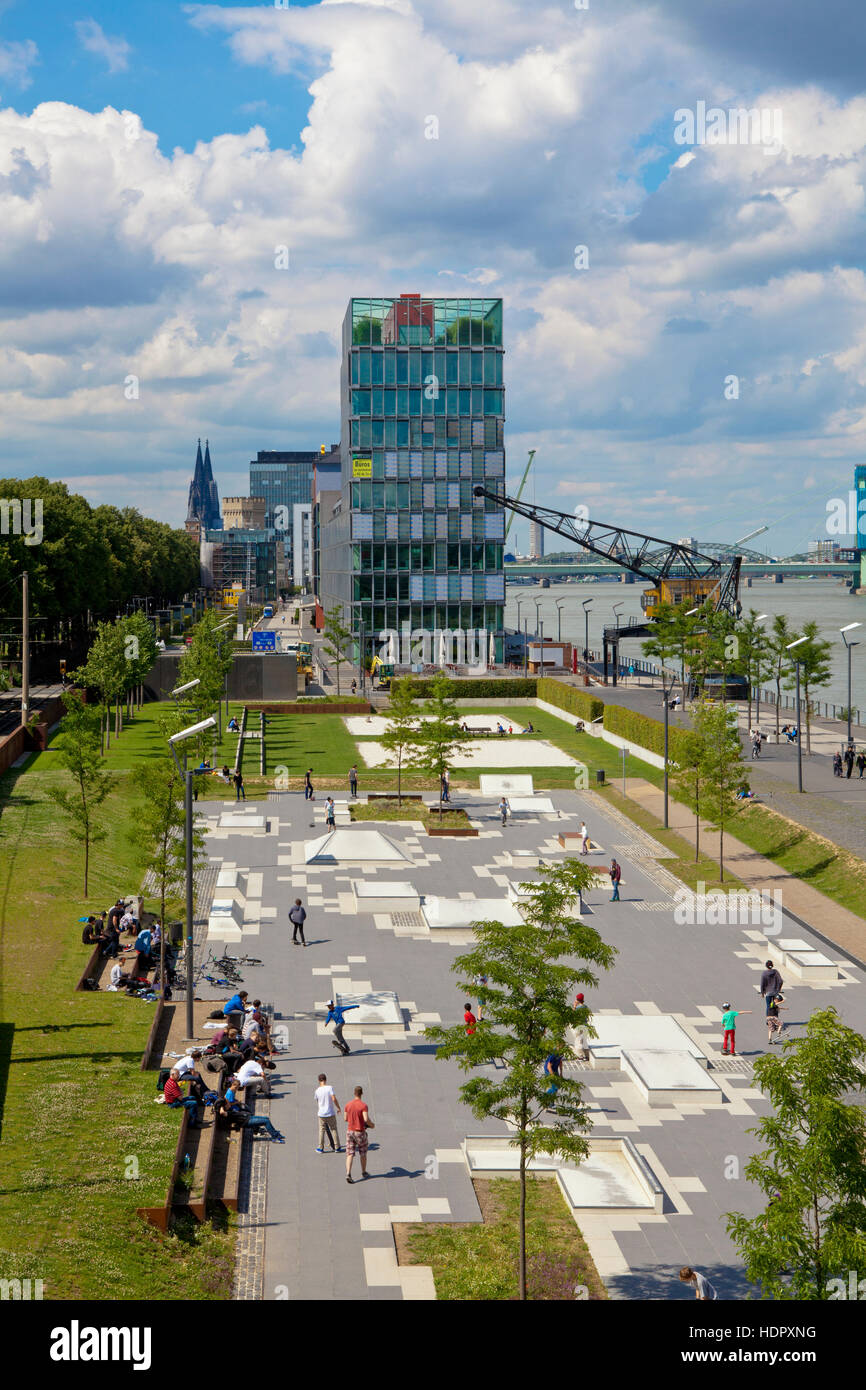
(469, 1019)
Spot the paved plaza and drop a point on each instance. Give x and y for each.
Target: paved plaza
(686, 1119)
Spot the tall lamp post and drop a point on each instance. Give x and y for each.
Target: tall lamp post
(559, 603)
(518, 602)
(849, 645)
(187, 773)
(760, 650)
(796, 662)
(220, 644)
(616, 608)
(539, 623)
(587, 604)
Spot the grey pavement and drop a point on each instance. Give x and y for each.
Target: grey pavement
(327, 1240)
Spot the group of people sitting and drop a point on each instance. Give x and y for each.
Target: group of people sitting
(240, 1054)
(140, 955)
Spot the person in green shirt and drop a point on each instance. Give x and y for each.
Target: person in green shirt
(729, 1028)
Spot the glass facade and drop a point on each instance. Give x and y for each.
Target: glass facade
(422, 419)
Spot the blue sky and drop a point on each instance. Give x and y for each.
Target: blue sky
(141, 218)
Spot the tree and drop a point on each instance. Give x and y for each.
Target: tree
(531, 972)
(780, 636)
(338, 639)
(664, 643)
(402, 732)
(202, 661)
(139, 644)
(814, 658)
(440, 734)
(754, 657)
(79, 747)
(105, 670)
(688, 775)
(717, 729)
(161, 825)
(813, 1230)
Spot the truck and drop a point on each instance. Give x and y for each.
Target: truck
(268, 610)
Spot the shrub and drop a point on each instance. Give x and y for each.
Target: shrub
(481, 689)
(641, 730)
(586, 707)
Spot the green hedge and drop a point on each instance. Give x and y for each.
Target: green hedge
(480, 689)
(577, 702)
(641, 730)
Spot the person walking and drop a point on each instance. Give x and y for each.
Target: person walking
(504, 809)
(353, 780)
(469, 1019)
(861, 764)
(330, 814)
(774, 1022)
(328, 1107)
(771, 984)
(308, 785)
(849, 760)
(584, 838)
(837, 764)
(357, 1123)
(729, 1027)
(480, 985)
(297, 917)
(337, 1016)
(238, 780)
(704, 1290)
(581, 1034)
(615, 877)
(446, 786)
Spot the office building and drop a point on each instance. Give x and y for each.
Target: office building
(302, 564)
(422, 419)
(255, 559)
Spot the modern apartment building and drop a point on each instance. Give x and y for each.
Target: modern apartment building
(422, 417)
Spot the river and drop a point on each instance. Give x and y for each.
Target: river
(827, 601)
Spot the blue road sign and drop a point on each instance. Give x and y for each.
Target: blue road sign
(264, 641)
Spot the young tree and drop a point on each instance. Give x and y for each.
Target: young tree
(105, 670)
(753, 657)
(813, 1230)
(140, 650)
(402, 732)
(814, 658)
(338, 639)
(664, 643)
(779, 656)
(79, 747)
(716, 727)
(688, 775)
(440, 734)
(161, 826)
(531, 972)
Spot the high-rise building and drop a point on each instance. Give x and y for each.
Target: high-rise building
(536, 540)
(422, 419)
(284, 478)
(203, 508)
(255, 559)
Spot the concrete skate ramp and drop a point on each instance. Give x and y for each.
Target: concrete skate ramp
(534, 805)
(373, 896)
(518, 785)
(375, 1009)
(458, 914)
(670, 1078)
(613, 1175)
(618, 1033)
(359, 847)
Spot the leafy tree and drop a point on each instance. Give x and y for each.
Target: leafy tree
(779, 656)
(338, 639)
(161, 825)
(717, 730)
(814, 658)
(813, 1229)
(440, 734)
(105, 670)
(531, 972)
(754, 659)
(675, 632)
(401, 735)
(689, 777)
(78, 745)
(139, 645)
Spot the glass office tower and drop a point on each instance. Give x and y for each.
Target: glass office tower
(422, 419)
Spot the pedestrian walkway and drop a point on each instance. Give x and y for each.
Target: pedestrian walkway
(836, 923)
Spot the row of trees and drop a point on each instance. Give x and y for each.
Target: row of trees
(708, 640)
(92, 559)
(119, 658)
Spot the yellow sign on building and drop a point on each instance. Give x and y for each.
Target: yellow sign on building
(362, 468)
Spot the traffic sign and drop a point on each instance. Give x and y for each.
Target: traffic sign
(264, 641)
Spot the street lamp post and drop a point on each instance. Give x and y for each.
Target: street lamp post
(559, 603)
(537, 602)
(187, 773)
(849, 645)
(796, 662)
(587, 604)
(518, 602)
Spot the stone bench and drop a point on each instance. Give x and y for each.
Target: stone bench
(381, 896)
(670, 1077)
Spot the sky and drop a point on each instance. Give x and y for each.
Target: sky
(698, 369)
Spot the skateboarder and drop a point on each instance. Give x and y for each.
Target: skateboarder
(330, 814)
(308, 785)
(297, 917)
(336, 1015)
(584, 838)
(729, 1027)
(504, 808)
(353, 780)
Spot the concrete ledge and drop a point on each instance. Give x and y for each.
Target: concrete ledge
(670, 1078)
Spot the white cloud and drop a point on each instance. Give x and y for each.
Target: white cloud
(16, 60)
(114, 49)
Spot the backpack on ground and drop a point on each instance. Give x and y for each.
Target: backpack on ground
(164, 1074)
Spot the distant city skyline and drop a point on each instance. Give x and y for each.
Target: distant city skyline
(191, 194)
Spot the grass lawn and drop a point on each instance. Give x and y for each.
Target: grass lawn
(479, 1261)
(834, 871)
(408, 811)
(83, 1144)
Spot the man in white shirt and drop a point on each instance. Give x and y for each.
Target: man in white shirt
(328, 1107)
(186, 1071)
(252, 1075)
(116, 975)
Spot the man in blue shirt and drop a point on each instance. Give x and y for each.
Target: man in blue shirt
(336, 1015)
(236, 1006)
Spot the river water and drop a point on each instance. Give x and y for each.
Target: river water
(827, 601)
